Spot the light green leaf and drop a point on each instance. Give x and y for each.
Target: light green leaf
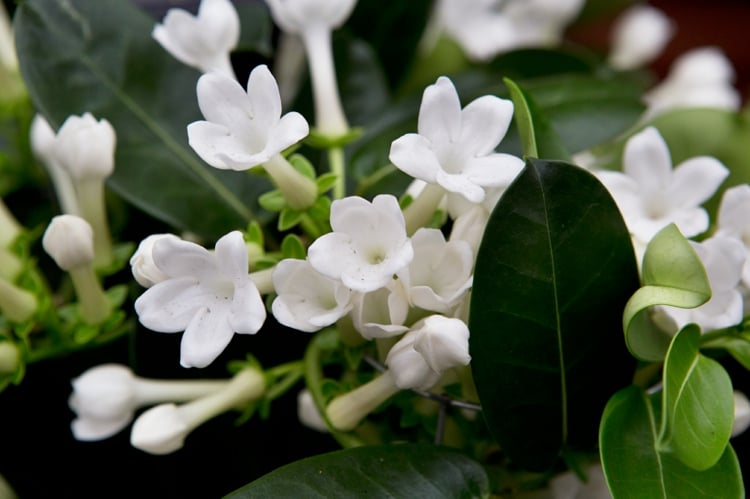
(672, 274)
(698, 403)
(635, 469)
(387, 471)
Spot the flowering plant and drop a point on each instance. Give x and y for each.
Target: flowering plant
(485, 262)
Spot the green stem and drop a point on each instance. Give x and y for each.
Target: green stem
(313, 360)
(337, 167)
(291, 373)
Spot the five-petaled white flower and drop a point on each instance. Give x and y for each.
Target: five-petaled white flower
(368, 245)
(306, 299)
(651, 195)
(381, 313)
(208, 295)
(455, 148)
(203, 41)
(242, 130)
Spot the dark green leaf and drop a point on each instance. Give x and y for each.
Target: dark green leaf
(389, 471)
(672, 275)
(698, 403)
(635, 469)
(553, 273)
(98, 56)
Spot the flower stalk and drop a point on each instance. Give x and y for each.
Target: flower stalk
(346, 411)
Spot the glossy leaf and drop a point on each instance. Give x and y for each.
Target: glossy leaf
(633, 467)
(698, 403)
(553, 273)
(389, 471)
(98, 56)
(538, 138)
(672, 275)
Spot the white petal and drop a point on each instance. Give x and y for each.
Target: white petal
(493, 170)
(220, 24)
(231, 255)
(733, 211)
(292, 128)
(646, 158)
(222, 100)
(91, 429)
(461, 185)
(331, 253)
(413, 155)
(248, 313)
(485, 122)
(263, 93)
(179, 258)
(696, 180)
(169, 306)
(440, 113)
(206, 336)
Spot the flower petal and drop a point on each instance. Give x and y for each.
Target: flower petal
(206, 336)
(695, 180)
(179, 258)
(222, 100)
(440, 112)
(484, 123)
(646, 158)
(413, 155)
(247, 312)
(91, 429)
(169, 306)
(264, 97)
(461, 185)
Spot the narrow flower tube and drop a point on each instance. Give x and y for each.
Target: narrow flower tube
(105, 398)
(16, 304)
(313, 21)
(163, 429)
(346, 411)
(10, 357)
(10, 228)
(42, 138)
(69, 240)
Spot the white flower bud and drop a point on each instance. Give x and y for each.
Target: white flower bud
(160, 430)
(639, 36)
(69, 240)
(297, 16)
(86, 147)
(104, 400)
(741, 413)
(42, 138)
(443, 342)
(308, 413)
(145, 271)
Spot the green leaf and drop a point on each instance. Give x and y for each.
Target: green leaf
(739, 348)
(698, 403)
(672, 275)
(98, 56)
(388, 471)
(634, 469)
(553, 273)
(292, 247)
(289, 218)
(272, 200)
(537, 136)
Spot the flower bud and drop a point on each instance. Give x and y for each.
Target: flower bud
(86, 147)
(741, 413)
(142, 264)
(10, 357)
(69, 240)
(160, 430)
(639, 36)
(308, 413)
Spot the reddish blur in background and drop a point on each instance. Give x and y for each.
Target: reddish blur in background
(721, 23)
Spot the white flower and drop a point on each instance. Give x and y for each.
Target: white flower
(145, 271)
(440, 273)
(485, 28)
(433, 346)
(651, 195)
(69, 240)
(242, 130)
(105, 398)
(639, 35)
(308, 413)
(702, 77)
(208, 295)
(455, 148)
(307, 300)
(368, 245)
(381, 313)
(723, 259)
(298, 16)
(733, 221)
(85, 147)
(204, 41)
(163, 429)
(470, 226)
